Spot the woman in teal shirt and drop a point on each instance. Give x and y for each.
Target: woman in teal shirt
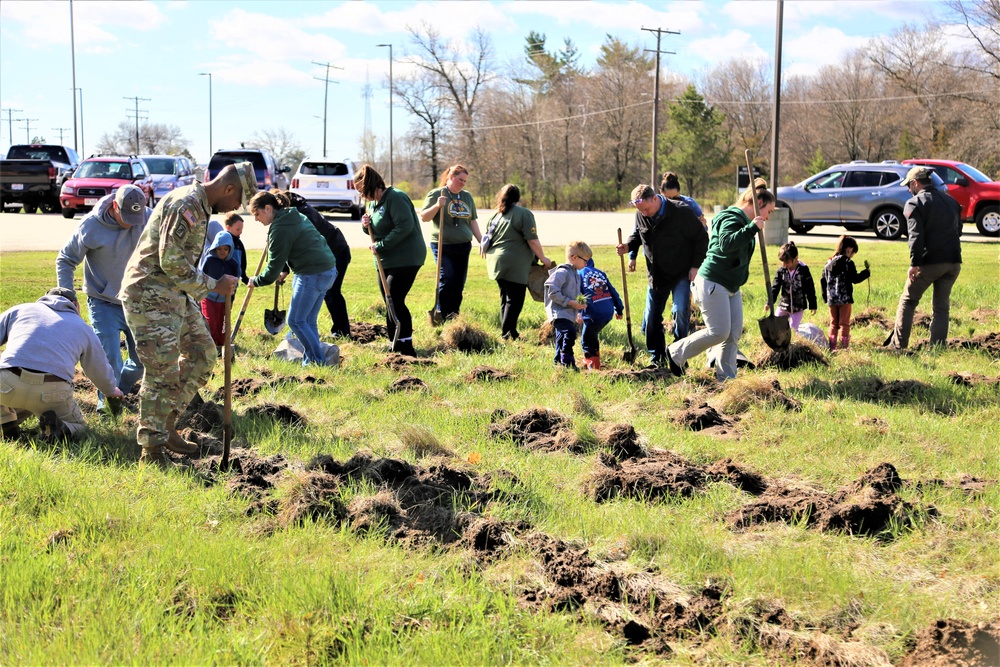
(399, 246)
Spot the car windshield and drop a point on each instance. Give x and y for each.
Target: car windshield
(323, 169)
(104, 170)
(974, 174)
(220, 160)
(161, 165)
(37, 153)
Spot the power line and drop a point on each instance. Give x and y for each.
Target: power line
(27, 128)
(137, 117)
(656, 93)
(60, 130)
(326, 94)
(10, 126)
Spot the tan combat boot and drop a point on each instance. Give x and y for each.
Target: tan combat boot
(175, 442)
(155, 455)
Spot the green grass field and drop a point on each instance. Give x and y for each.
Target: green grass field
(104, 562)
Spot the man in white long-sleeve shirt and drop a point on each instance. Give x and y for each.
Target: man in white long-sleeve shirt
(44, 342)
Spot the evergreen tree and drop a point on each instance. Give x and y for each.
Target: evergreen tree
(694, 144)
(818, 162)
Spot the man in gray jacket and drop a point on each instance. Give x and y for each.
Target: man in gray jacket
(104, 242)
(933, 227)
(45, 340)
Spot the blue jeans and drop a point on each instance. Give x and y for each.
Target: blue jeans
(656, 302)
(589, 340)
(308, 292)
(723, 314)
(454, 270)
(565, 339)
(108, 321)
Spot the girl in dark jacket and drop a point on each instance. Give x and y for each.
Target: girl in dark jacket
(793, 282)
(838, 281)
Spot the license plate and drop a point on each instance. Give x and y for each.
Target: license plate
(90, 202)
(323, 184)
(17, 186)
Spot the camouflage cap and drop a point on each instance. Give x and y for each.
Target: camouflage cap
(917, 174)
(64, 292)
(248, 179)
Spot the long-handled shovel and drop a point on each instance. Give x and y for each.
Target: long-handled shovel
(628, 356)
(246, 299)
(774, 330)
(435, 314)
(227, 410)
(274, 320)
(385, 290)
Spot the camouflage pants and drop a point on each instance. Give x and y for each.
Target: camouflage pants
(174, 345)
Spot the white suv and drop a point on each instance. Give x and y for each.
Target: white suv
(328, 185)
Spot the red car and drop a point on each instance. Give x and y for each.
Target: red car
(977, 194)
(101, 175)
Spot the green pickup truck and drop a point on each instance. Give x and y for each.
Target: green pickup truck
(32, 174)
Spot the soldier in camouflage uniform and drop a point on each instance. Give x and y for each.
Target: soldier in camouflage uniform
(160, 292)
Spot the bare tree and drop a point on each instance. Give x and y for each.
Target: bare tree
(282, 144)
(982, 21)
(156, 138)
(422, 98)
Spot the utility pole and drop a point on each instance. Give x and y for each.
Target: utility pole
(72, 49)
(776, 114)
(27, 128)
(391, 181)
(209, 75)
(10, 125)
(82, 144)
(656, 97)
(367, 139)
(326, 94)
(60, 130)
(137, 100)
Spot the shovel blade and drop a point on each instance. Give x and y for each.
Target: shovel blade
(775, 331)
(436, 317)
(274, 321)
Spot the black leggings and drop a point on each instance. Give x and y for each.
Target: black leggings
(335, 302)
(399, 281)
(511, 303)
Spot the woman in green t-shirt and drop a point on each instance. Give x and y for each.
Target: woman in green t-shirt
(452, 236)
(399, 247)
(510, 245)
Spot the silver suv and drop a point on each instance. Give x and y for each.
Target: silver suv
(859, 195)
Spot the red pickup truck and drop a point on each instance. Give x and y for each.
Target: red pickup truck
(977, 194)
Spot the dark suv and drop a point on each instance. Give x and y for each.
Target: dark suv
(269, 174)
(859, 195)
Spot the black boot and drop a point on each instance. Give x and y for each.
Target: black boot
(53, 430)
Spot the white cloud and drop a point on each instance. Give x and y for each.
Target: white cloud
(630, 16)
(806, 53)
(273, 38)
(98, 27)
(452, 20)
(719, 48)
(806, 13)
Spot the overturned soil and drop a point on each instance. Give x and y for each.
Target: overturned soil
(868, 506)
(465, 337)
(872, 316)
(793, 356)
(534, 428)
(487, 374)
(953, 643)
(664, 473)
(365, 332)
(966, 379)
(988, 343)
(870, 388)
(276, 412)
(243, 387)
(395, 361)
(640, 375)
(203, 416)
(703, 417)
(737, 396)
(407, 383)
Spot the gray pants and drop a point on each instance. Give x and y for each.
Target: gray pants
(942, 277)
(722, 312)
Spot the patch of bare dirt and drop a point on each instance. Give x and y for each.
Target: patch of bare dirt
(398, 362)
(276, 412)
(965, 379)
(738, 395)
(200, 415)
(620, 440)
(243, 387)
(365, 332)
(868, 506)
(487, 374)
(793, 356)
(871, 388)
(464, 336)
(534, 428)
(954, 643)
(546, 334)
(664, 473)
(703, 417)
(407, 383)
(640, 374)
(989, 343)
(985, 315)
(967, 483)
(872, 316)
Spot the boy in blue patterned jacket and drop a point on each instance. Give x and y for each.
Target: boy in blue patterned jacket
(603, 303)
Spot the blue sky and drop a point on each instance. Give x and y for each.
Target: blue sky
(260, 54)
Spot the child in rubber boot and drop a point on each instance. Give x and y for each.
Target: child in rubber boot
(793, 283)
(838, 281)
(218, 262)
(562, 303)
(603, 303)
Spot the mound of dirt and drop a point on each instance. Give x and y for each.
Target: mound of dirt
(872, 316)
(487, 374)
(867, 506)
(406, 383)
(204, 416)
(989, 343)
(243, 387)
(546, 334)
(620, 439)
(492, 538)
(664, 473)
(538, 429)
(364, 332)
(968, 483)
(985, 315)
(870, 388)
(640, 374)
(953, 643)
(704, 417)
(466, 337)
(965, 379)
(309, 496)
(276, 412)
(251, 474)
(739, 394)
(398, 362)
(638, 606)
(793, 356)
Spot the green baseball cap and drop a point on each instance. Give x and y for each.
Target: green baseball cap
(248, 179)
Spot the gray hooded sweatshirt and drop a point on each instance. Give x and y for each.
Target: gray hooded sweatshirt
(562, 287)
(49, 336)
(104, 247)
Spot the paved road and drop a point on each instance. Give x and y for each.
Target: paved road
(19, 231)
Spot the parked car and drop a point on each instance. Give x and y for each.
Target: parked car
(328, 185)
(32, 174)
(269, 174)
(978, 195)
(859, 195)
(101, 175)
(169, 172)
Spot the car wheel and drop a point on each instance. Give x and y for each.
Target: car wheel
(355, 213)
(988, 220)
(887, 224)
(50, 207)
(30, 208)
(68, 213)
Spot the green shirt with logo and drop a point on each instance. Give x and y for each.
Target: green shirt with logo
(458, 215)
(510, 256)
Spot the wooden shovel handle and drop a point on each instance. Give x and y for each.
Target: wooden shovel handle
(760, 235)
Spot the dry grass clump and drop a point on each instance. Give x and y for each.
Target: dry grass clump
(793, 356)
(741, 393)
(306, 495)
(459, 334)
(422, 442)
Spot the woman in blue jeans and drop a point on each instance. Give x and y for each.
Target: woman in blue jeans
(294, 241)
(717, 285)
